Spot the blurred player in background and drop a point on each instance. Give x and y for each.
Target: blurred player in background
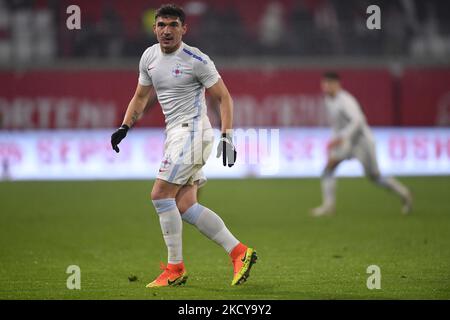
(351, 138)
(178, 74)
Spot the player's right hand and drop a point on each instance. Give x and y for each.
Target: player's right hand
(118, 136)
(227, 150)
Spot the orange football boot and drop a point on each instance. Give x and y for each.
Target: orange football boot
(172, 275)
(243, 259)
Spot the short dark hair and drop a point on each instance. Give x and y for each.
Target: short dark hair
(331, 75)
(171, 10)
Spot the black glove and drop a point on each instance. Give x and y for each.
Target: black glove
(227, 150)
(118, 136)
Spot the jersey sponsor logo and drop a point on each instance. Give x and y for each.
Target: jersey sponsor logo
(177, 71)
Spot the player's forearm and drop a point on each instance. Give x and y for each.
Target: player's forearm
(134, 111)
(226, 113)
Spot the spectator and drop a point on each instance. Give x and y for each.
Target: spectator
(272, 26)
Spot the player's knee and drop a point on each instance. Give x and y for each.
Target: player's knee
(158, 194)
(327, 172)
(184, 205)
(330, 167)
(154, 195)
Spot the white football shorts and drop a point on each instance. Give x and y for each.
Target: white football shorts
(363, 150)
(186, 150)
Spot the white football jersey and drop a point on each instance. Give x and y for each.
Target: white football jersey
(346, 117)
(179, 79)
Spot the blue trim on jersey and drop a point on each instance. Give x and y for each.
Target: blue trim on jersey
(191, 215)
(164, 205)
(193, 55)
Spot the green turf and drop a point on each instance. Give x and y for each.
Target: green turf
(110, 230)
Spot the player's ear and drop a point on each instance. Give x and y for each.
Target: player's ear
(154, 28)
(184, 27)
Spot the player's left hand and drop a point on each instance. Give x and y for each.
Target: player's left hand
(118, 136)
(227, 150)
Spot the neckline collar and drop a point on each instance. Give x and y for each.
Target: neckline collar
(172, 53)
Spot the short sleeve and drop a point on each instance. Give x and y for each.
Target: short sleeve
(144, 77)
(206, 72)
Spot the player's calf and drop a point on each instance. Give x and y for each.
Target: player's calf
(398, 188)
(213, 227)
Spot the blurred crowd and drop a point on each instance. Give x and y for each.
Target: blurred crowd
(35, 31)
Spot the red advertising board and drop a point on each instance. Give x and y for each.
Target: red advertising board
(269, 98)
(425, 97)
(67, 99)
(292, 97)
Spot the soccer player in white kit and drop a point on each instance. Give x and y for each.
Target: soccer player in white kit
(351, 138)
(177, 75)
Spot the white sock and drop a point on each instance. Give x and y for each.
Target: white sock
(211, 225)
(394, 185)
(328, 189)
(171, 226)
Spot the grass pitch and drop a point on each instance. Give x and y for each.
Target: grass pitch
(110, 230)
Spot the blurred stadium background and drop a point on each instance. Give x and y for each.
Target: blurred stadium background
(271, 55)
(62, 92)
